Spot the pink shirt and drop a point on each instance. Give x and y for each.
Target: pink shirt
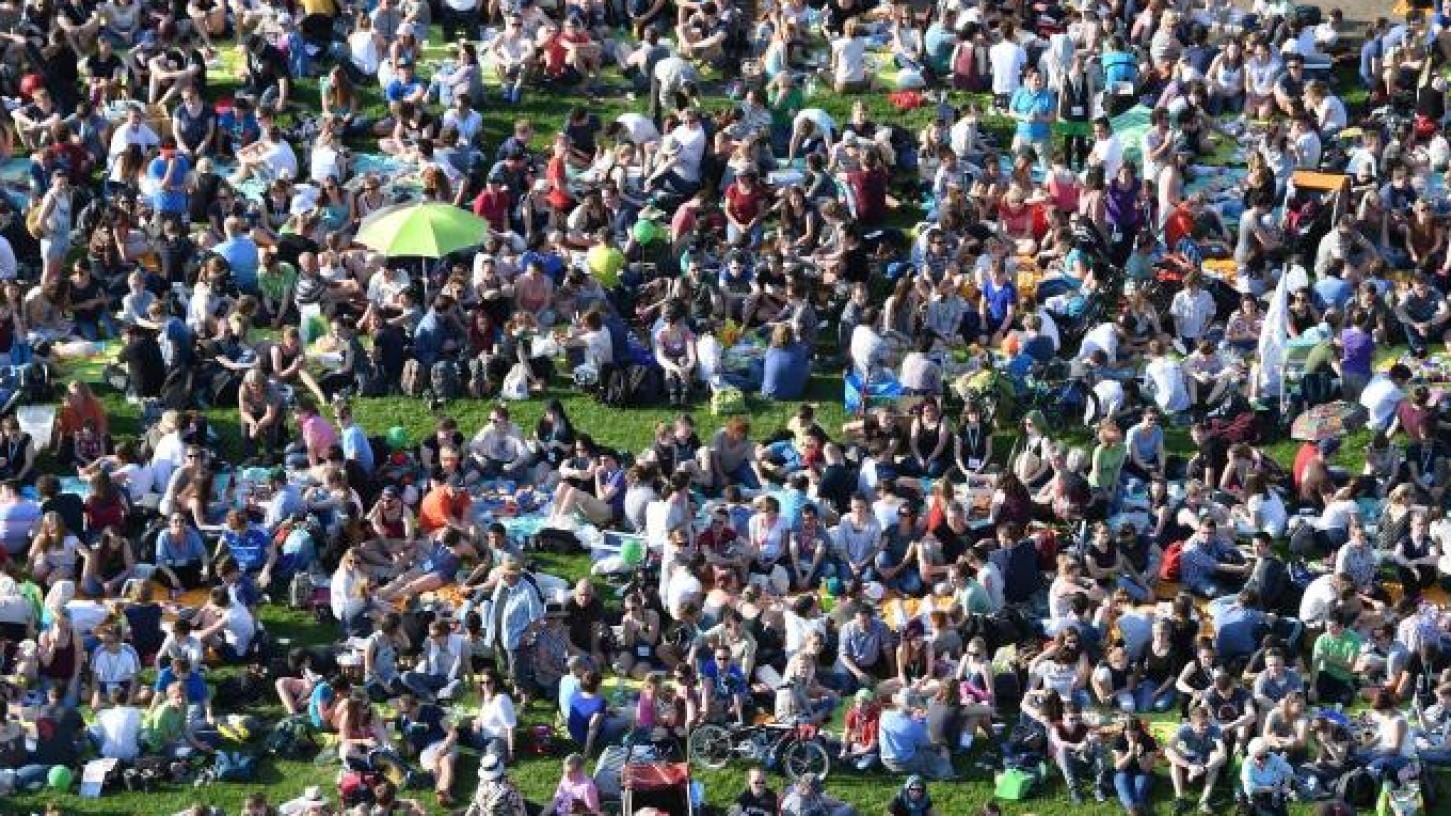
(318, 435)
(576, 787)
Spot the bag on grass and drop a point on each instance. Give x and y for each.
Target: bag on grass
(234, 766)
(727, 400)
(1015, 784)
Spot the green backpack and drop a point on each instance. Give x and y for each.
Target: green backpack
(1015, 784)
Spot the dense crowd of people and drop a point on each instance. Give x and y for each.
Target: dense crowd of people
(1008, 544)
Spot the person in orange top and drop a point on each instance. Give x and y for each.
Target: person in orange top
(447, 505)
(80, 405)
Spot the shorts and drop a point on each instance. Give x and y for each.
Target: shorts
(429, 756)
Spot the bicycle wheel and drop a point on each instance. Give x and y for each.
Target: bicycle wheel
(710, 745)
(802, 757)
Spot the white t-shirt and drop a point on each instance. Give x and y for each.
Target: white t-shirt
(467, 127)
(240, 628)
(115, 667)
(1380, 398)
(1315, 603)
(1110, 153)
(1269, 510)
(280, 157)
(119, 729)
(1169, 390)
(692, 150)
(641, 129)
(364, 51)
(681, 587)
(851, 59)
(1103, 337)
(1008, 59)
(496, 717)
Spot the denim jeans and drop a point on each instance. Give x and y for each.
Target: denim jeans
(1145, 700)
(745, 476)
(1132, 789)
(907, 582)
(1078, 766)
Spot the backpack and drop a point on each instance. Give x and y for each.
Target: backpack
(369, 379)
(291, 739)
(299, 591)
(445, 380)
(633, 386)
(1021, 578)
(1170, 570)
(478, 385)
(412, 382)
(234, 766)
(1015, 784)
(356, 787)
(1357, 788)
(727, 401)
(562, 542)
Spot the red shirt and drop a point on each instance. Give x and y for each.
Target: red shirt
(862, 723)
(555, 53)
(869, 188)
(1303, 457)
(493, 206)
(742, 205)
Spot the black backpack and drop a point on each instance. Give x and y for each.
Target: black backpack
(1357, 788)
(445, 380)
(633, 386)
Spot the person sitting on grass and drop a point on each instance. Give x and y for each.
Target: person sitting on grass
(432, 737)
(1196, 756)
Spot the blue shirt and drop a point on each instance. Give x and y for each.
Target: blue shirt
(241, 256)
(357, 448)
(997, 300)
(169, 200)
(1236, 629)
(582, 709)
(1028, 102)
(398, 90)
(194, 685)
(174, 551)
(902, 736)
(248, 547)
(1332, 292)
(428, 338)
(786, 372)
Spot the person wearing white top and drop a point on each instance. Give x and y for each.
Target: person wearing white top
(1381, 397)
(118, 728)
(641, 129)
(849, 60)
(113, 665)
(1171, 393)
(690, 136)
(8, 265)
(493, 728)
(1107, 151)
(134, 132)
(1008, 59)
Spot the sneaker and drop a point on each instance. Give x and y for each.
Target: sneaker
(865, 763)
(1098, 794)
(965, 741)
(1182, 806)
(1206, 809)
(1075, 797)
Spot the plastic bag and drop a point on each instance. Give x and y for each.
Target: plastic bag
(516, 384)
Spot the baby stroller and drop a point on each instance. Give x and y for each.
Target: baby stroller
(665, 786)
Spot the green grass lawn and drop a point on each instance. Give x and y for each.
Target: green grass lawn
(628, 429)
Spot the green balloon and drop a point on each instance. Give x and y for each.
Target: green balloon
(397, 437)
(60, 777)
(632, 552)
(647, 232)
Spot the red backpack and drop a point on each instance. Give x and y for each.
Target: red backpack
(1169, 570)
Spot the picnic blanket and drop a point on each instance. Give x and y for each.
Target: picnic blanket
(1434, 369)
